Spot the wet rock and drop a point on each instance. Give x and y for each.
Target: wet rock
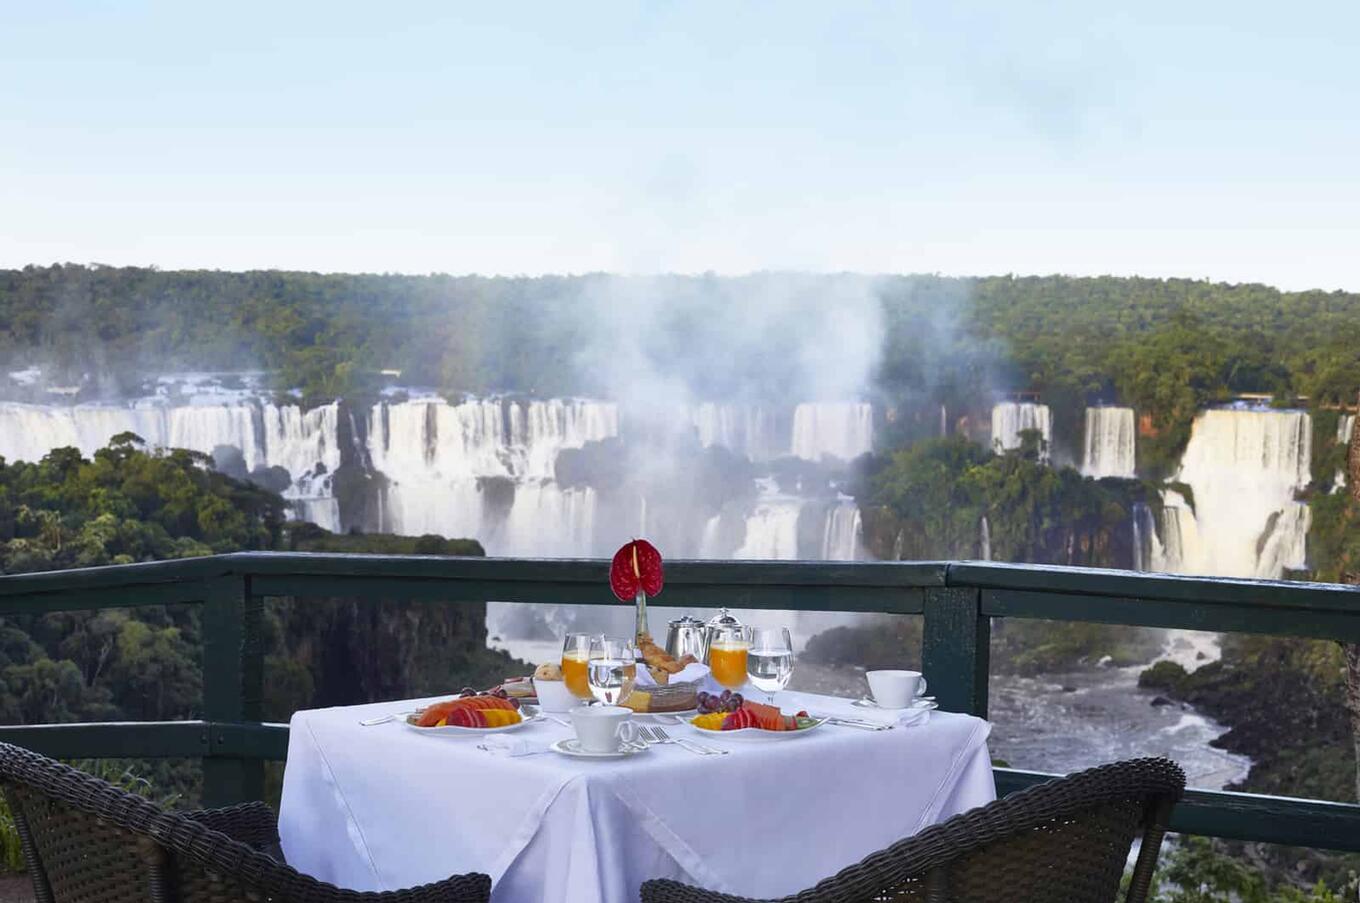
(1159, 701)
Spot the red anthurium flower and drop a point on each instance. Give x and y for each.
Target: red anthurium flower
(637, 566)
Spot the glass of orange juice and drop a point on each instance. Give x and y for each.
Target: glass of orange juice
(727, 656)
(575, 656)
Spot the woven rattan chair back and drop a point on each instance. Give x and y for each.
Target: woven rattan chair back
(1065, 841)
(86, 841)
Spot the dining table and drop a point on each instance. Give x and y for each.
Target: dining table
(385, 806)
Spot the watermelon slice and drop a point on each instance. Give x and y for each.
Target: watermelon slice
(636, 566)
(766, 716)
(769, 718)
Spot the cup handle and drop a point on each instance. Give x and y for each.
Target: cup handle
(921, 689)
(628, 732)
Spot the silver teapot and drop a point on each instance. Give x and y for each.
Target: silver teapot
(687, 636)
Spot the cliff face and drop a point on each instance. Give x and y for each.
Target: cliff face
(931, 500)
(338, 651)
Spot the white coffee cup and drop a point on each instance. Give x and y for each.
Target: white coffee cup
(896, 689)
(603, 728)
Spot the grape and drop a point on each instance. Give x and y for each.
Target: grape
(467, 691)
(726, 695)
(500, 693)
(737, 700)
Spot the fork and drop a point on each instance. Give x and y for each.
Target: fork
(660, 736)
(383, 719)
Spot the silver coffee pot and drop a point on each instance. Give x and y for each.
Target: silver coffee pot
(687, 636)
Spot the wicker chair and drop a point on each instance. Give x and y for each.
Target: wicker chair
(1065, 841)
(86, 841)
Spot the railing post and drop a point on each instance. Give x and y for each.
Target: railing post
(233, 685)
(956, 649)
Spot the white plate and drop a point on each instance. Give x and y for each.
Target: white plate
(755, 733)
(527, 712)
(925, 703)
(572, 747)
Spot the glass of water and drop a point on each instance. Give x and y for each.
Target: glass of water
(769, 661)
(611, 668)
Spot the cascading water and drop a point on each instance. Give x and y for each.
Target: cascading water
(1109, 445)
(1284, 545)
(709, 543)
(1149, 553)
(841, 534)
(1345, 426)
(749, 430)
(772, 527)
(304, 443)
(1245, 467)
(843, 430)
(1011, 418)
(484, 467)
(984, 539)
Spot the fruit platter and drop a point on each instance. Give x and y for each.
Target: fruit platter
(732, 716)
(472, 712)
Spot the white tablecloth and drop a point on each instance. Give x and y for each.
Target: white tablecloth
(383, 808)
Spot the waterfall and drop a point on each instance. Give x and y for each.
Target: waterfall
(1010, 418)
(1149, 552)
(484, 468)
(749, 430)
(1109, 446)
(1244, 466)
(204, 427)
(710, 542)
(843, 430)
(944, 422)
(772, 527)
(29, 431)
(324, 512)
(1345, 424)
(304, 443)
(985, 539)
(545, 521)
(1180, 532)
(841, 534)
(1284, 544)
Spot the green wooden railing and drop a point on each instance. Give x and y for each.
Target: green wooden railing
(957, 600)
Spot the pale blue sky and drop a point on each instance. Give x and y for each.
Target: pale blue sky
(1205, 139)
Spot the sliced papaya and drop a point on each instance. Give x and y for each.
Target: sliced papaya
(435, 714)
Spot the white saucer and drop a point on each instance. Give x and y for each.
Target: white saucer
(921, 703)
(572, 747)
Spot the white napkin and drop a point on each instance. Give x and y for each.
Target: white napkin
(692, 671)
(510, 747)
(845, 708)
(902, 717)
